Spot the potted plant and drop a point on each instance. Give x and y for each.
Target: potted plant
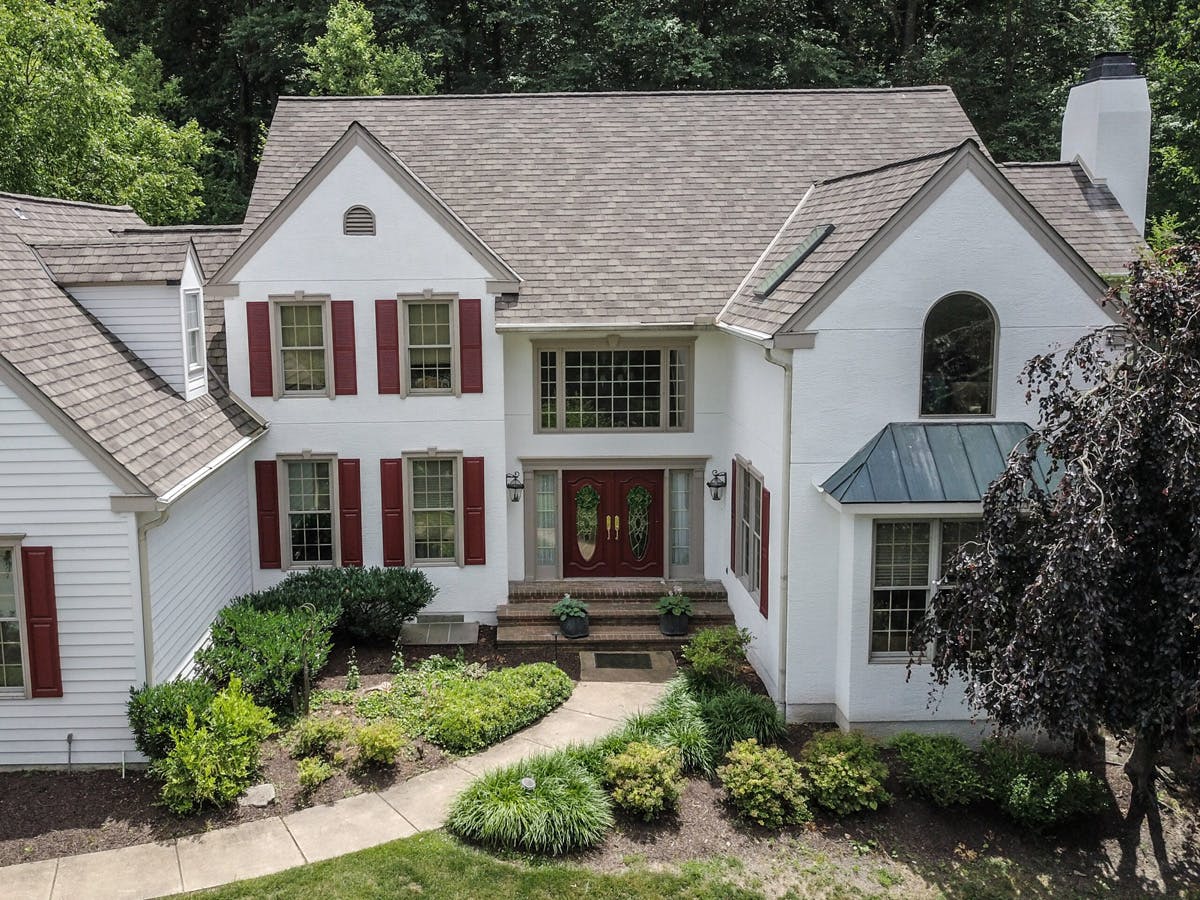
(573, 616)
(674, 612)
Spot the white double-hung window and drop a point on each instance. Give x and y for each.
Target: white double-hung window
(12, 664)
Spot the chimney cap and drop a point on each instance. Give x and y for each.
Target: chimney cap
(1111, 65)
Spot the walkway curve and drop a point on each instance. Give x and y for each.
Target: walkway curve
(270, 845)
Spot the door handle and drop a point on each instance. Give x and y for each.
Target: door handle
(618, 528)
(608, 527)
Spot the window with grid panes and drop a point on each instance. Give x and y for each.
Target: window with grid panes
(310, 511)
(430, 347)
(547, 518)
(193, 326)
(12, 668)
(434, 511)
(749, 528)
(681, 517)
(302, 347)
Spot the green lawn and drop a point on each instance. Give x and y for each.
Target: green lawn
(433, 866)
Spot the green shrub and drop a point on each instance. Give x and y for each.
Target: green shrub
(765, 785)
(844, 771)
(645, 780)
(366, 603)
(379, 743)
(312, 771)
(735, 713)
(938, 767)
(155, 711)
(266, 649)
(316, 737)
(566, 809)
(717, 653)
(215, 756)
(468, 715)
(1038, 791)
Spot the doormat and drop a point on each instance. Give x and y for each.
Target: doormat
(652, 666)
(624, 661)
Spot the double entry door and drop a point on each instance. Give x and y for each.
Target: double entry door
(612, 524)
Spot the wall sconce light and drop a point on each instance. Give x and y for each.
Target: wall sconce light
(716, 484)
(515, 486)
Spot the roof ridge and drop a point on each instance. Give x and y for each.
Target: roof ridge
(124, 207)
(513, 95)
(160, 229)
(107, 241)
(896, 164)
(1043, 164)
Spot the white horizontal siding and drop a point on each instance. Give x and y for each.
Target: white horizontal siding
(148, 319)
(51, 493)
(199, 560)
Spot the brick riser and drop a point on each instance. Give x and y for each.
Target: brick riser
(706, 614)
(602, 637)
(610, 590)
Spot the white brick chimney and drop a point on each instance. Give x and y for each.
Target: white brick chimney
(1107, 128)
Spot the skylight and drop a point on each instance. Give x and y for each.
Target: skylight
(779, 274)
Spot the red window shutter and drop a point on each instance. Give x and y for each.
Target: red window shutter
(733, 514)
(258, 340)
(764, 568)
(41, 622)
(387, 345)
(470, 334)
(473, 524)
(350, 512)
(266, 491)
(391, 480)
(345, 362)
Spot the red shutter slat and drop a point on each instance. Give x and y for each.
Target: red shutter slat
(470, 332)
(391, 482)
(474, 537)
(41, 622)
(733, 511)
(350, 512)
(764, 568)
(258, 341)
(345, 361)
(387, 345)
(266, 492)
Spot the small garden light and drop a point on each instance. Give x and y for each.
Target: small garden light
(528, 783)
(515, 486)
(716, 484)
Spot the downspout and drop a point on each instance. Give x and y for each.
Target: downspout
(786, 519)
(144, 525)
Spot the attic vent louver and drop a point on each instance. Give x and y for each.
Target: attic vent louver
(358, 220)
(779, 274)
(19, 213)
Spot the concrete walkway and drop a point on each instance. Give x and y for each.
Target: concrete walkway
(319, 832)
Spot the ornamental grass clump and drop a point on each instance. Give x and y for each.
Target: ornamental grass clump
(734, 713)
(545, 804)
(938, 767)
(645, 780)
(845, 774)
(765, 785)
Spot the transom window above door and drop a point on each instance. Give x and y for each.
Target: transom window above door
(641, 387)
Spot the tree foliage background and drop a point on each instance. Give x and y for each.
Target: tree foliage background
(224, 63)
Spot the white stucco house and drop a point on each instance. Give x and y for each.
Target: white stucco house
(762, 344)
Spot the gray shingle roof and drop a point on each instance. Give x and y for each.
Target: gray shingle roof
(157, 259)
(928, 462)
(631, 208)
(857, 206)
(81, 368)
(1086, 214)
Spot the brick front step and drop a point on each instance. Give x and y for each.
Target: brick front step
(705, 613)
(611, 589)
(602, 637)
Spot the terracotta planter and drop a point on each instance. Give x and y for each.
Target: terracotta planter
(672, 625)
(575, 626)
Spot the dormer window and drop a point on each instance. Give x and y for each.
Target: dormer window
(358, 220)
(193, 332)
(958, 358)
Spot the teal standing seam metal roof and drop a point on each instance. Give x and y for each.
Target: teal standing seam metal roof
(929, 462)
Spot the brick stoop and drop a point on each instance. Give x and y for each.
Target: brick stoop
(612, 589)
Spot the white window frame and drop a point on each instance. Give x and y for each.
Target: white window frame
(285, 509)
(931, 587)
(455, 389)
(300, 299)
(195, 367)
(12, 542)
(748, 555)
(616, 343)
(410, 531)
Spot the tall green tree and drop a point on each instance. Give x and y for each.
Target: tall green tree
(347, 58)
(69, 123)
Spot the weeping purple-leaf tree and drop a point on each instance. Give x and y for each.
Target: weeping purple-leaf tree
(1079, 608)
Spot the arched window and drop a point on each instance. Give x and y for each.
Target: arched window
(958, 359)
(358, 220)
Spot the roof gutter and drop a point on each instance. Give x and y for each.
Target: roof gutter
(208, 468)
(786, 520)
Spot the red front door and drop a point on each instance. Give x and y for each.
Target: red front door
(612, 524)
